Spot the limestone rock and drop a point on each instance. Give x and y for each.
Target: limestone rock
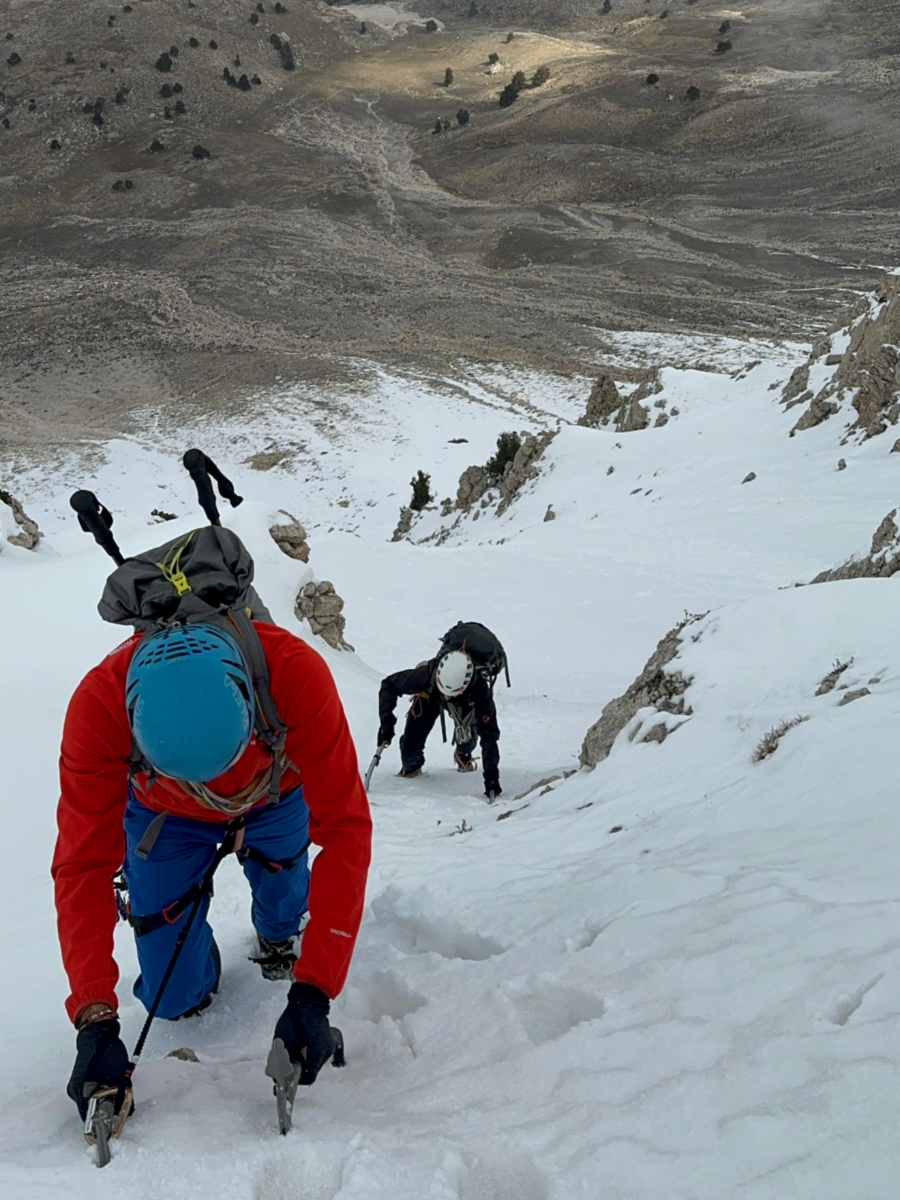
(603, 401)
(549, 515)
(522, 468)
(607, 406)
(855, 695)
(473, 483)
(290, 537)
(749, 478)
(29, 535)
(882, 561)
(403, 525)
(322, 607)
(655, 687)
(868, 370)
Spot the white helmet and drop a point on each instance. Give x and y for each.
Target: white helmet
(454, 673)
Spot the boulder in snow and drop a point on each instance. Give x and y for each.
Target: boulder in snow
(322, 607)
(27, 534)
(290, 537)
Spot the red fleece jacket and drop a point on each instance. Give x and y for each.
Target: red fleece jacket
(94, 786)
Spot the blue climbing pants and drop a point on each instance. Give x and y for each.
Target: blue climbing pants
(177, 862)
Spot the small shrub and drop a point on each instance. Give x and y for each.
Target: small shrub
(769, 742)
(155, 146)
(508, 445)
(193, 42)
(723, 47)
(180, 108)
(431, 27)
(724, 27)
(421, 491)
(509, 38)
(540, 77)
(493, 58)
(254, 19)
(177, 89)
(693, 93)
(280, 9)
(519, 81)
(166, 91)
(508, 96)
(448, 77)
(55, 145)
(462, 117)
(200, 152)
(70, 58)
(607, 8)
(473, 10)
(213, 44)
(164, 62)
(652, 79)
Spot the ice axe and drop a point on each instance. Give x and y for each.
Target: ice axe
(374, 763)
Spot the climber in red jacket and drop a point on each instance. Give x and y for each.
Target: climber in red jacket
(160, 760)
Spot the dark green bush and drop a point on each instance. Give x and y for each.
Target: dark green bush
(508, 445)
(421, 491)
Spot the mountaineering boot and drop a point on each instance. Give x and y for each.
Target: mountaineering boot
(276, 959)
(207, 1000)
(409, 772)
(464, 763)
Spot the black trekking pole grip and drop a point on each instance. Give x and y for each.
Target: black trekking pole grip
(200, 469)
(96, 519)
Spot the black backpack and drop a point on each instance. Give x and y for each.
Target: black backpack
(205, 575)
(483, 647)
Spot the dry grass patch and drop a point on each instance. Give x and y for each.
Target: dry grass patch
(769, 742)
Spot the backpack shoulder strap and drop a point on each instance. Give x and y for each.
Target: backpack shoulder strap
(270, 729)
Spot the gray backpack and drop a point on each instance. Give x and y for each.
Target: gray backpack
(205, 575)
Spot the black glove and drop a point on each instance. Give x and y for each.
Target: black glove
(386, 733)
(304, 1029)
(101, 1060)
(492, 786)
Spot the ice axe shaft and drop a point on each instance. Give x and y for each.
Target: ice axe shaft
(373, 764)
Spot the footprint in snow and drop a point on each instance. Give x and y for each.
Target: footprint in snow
(549, 1010)
(841, 1012)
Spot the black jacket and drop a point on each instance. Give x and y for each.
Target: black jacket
(477, 703)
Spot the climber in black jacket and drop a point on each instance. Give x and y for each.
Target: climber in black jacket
(447, 685)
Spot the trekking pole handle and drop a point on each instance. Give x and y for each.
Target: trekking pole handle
(95, 518)
(200, 468)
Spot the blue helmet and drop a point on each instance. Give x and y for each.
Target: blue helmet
(189, 695)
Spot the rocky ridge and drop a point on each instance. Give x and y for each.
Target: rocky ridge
(658, 692)
(856, 366)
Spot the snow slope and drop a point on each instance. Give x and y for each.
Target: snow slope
(670, 977)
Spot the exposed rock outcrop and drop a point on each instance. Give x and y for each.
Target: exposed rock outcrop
(606, 406)
(882, 561)
(28, 534)
(655, 687)
(866, 370)
(290, 537)
(522, 468)
(322, 607)
(404, 525)
(603, 401)
(473, 483)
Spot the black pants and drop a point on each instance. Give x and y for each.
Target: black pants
(419, 723)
